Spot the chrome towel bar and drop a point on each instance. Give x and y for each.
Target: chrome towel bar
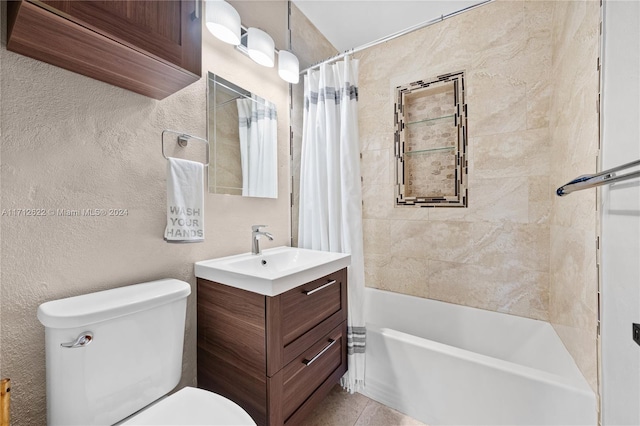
(598, 179)
(183, 140)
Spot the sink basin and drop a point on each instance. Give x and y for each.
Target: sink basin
(274, 271)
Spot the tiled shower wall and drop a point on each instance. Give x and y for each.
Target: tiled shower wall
(493, 254)
(573, 283)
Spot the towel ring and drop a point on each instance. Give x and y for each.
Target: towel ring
(183, 141)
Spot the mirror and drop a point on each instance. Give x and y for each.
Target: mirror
(243, 138)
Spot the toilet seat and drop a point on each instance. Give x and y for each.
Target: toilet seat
(192, 406)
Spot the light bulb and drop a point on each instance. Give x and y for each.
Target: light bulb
(260, 46)
(223, 21)
(288, 66)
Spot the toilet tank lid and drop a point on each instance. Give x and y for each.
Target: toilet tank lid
(92, 308)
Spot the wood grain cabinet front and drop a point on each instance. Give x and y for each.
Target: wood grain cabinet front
(152, 47)
(277, 357)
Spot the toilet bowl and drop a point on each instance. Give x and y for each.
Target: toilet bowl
(113, 356)
(191, 406)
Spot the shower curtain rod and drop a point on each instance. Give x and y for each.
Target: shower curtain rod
(598, 179)
(393, 36)
(230, 100)
(238, 97)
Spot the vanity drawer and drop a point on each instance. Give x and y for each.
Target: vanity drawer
(302, 376)
(304, 307)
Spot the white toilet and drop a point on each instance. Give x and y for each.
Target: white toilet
(113, 355)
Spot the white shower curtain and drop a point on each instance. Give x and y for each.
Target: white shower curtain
(330, 189)
(258, 123)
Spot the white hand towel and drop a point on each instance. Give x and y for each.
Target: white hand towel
(185, 201)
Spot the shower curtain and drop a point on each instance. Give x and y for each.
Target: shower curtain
(330, 190)
(258, 122)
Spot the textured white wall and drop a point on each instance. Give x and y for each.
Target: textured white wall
(621, 215)
(70, 142)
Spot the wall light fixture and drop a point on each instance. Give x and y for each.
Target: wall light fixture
(223, 21)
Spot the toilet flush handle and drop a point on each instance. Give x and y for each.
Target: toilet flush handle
(83, 340)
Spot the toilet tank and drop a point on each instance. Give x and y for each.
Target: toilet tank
(133, 358)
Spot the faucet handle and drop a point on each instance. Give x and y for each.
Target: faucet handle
(256, 228)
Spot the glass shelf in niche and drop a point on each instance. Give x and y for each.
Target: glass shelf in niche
(430, 120)
(427, 151)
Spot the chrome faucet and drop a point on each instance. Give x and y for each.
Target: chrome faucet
(255, 237)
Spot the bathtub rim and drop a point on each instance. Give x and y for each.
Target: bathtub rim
(574, 379)
(580, 386)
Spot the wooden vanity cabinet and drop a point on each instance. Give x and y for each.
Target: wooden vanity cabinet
(152, 47)
(277, 357)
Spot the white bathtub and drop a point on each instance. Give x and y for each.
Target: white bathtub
(449, 364)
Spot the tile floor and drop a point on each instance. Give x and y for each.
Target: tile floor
(343, 409)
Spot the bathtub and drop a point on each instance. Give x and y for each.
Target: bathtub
(449, 364)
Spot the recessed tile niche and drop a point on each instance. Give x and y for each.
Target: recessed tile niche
(431, 142)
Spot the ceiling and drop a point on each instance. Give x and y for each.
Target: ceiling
(352, 23)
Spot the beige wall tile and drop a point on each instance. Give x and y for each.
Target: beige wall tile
(519, 246)
(377, 236)
(573, 123)
(538, 101)
(519, 292)
(376, 166)
(405, 275)
(573, 276)
(381, 138)
(582, 344)
(491, 200)
(407, 238)
(503, 100)
(540, 195)
(377, 201)
(524, 153)
(373, 266)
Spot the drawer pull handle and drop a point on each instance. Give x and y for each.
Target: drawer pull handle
(310, 292)
(326, 348)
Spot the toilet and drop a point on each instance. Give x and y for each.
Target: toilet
(113, 356)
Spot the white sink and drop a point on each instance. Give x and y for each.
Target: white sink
(274, 271)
